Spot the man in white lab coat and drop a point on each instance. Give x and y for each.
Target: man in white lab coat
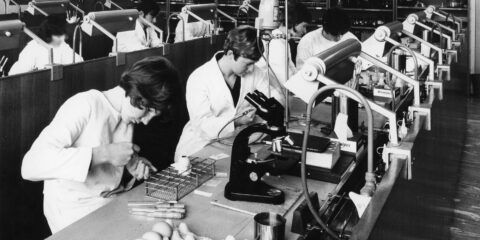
(143, 36)
(299, 17)
(82, 154)
(216, 90)
(36, 57)
(335, 29)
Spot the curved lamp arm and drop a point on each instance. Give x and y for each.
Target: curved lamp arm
(370, 184)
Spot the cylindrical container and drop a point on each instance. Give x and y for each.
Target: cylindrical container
(269, 226)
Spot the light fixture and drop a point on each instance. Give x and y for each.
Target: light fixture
(9, 36)
(433, 10)
(109, 23)
(246, 4)
(305, 83)
(415, 19)
(375, 45)
(49, 7)
(204, 13)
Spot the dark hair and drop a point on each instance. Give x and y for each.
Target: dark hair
(297, 13)
(54, 25)
(155, 79)
(148, 7)
(243, 42)
(336, 21)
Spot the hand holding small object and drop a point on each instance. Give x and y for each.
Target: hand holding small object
(117, 154)
(140, 167)
(246, 117)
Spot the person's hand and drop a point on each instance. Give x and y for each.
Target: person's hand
(72, 17)
(246, 117)
(117, 154)
(140, 167)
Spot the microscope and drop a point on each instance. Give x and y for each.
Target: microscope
(246, 169)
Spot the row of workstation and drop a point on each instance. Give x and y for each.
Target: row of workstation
(29, 101)
(333, 215)
(92, 31)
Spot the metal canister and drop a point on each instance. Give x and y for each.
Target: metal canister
(269, 226)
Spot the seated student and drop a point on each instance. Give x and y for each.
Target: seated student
(36, 57)
(216, 91)
(143, 36)
(192, 30)
(83, 154)
(335, 28)
(275, 53)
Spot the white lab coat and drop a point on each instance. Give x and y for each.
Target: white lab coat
(35, 57)
(210, 104)
(314, 43)
(137, 39)
(276, 56)
(61, 157)
(193, 30)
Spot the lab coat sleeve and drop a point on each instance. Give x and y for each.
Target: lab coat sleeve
(67, 54)
(303, 53)
(156, 41)
(179, 32)
(199, 110)
(52, 155)
(25, 62)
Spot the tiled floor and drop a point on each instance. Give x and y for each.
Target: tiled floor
(424, 207)
(466, 223)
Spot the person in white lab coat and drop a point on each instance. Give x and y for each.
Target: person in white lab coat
(193, 30)
(82, 154)
(36, 57)
(143, 36)
(335, 29)
(216, 90)
(299, 17)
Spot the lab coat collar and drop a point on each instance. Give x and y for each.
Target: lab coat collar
(139, 32)
(217, 76)
(119, 93)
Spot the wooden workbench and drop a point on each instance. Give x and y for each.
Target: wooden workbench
(114, 222)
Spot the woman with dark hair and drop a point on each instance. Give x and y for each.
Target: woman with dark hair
(86, 154)
(35, 56)
(216, 91)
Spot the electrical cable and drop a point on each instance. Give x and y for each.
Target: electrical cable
(219, 139)
(303, 171)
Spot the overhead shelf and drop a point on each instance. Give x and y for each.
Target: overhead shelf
(442, 8)
(363, 28)
(369, 9)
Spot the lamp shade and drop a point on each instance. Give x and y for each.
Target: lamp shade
(113, 21)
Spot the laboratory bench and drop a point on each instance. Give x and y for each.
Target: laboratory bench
(113, 220)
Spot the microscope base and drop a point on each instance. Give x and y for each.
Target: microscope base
(254, 192)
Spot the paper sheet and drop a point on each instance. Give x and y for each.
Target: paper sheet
(361, 202)
(301, 88)
(341, 128)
